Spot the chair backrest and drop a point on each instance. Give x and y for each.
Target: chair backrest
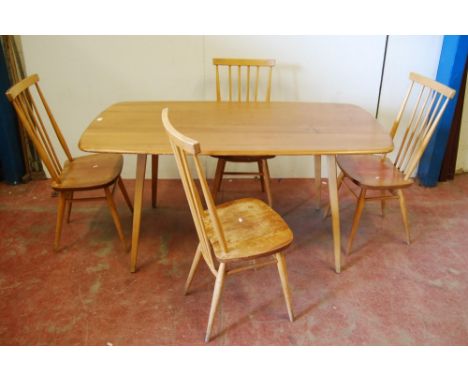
(244, 87)
(36, 118)
(183, 147)
(430, 100)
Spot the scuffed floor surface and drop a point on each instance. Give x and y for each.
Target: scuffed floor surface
(388, 293)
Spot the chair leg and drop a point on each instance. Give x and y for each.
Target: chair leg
(123, 190)
(266, 178)
(193, 268)
(223, 168)
(154, 179)
(339, 182)
(262, 178)
(218, 288)
(218, 178)
(357, 217)
(137, 203)
(404, 214)
(283, 273)
(60, 211)
(68, 206)
(318, 180)
(115, 216)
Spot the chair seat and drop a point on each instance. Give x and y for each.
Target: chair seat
(89, 172)
(243, 159)
(372, 172)
(251, 228)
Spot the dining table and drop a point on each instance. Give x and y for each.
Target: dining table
(235, 128)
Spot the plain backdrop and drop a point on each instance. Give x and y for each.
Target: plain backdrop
(82, 75)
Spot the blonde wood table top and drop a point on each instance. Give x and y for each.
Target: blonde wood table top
(224, 128)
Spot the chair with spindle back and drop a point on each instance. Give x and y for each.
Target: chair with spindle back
(90, 172)
(234, 234)
(376, 173)
(240, 91)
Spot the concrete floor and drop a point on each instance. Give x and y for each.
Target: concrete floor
(388, 293)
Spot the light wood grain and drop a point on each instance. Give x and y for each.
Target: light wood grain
(333, 191)
(263, 68)
(245, 237)
(125, 194)
(356, 218)
(404, 214)
(139, 184)
(368, 172)
(318, 180)
(193, 268)
(373, 171)
(115, 215)
(231, 233)
(154, 179)
(69, 205)
(58, 226)
(276, 128)
(90, 172)
(265, 180)
(282, 270)
(243, 89)
(218, 288)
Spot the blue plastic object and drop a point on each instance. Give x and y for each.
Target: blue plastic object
(11, 157)
(450, 72)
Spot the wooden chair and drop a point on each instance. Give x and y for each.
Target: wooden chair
(90, 172)
(236, 233)
(386, 178)
(251, 68)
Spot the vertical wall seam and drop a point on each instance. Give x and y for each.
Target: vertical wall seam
(382, 76)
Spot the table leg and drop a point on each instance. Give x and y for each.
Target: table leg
(318, 179)
(335, 212)
(154, 179)
(139, 182)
